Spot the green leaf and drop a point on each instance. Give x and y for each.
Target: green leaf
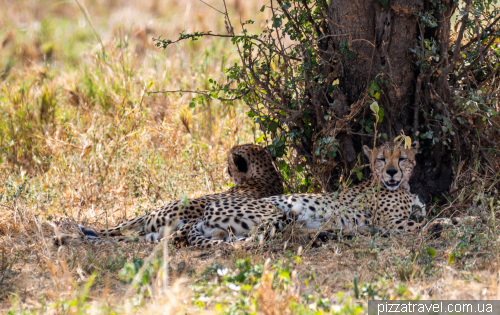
(273, 126)
(444, 129)
(261, 138)
(284, 274)
(451, 259)
(431, 251)
(192, 104)
(251, 114)
(375, 109)
(317, 151)
(283, 166)
(263, 8)
(375, 90)
(297, 259)
(241, 277)
(381, 115)
(299, 169)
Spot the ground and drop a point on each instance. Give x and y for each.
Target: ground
(82, 141)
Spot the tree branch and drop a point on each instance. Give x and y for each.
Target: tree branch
(473, 63)
(488, 30)
(464, 20)
(309, 17)
(205, 93)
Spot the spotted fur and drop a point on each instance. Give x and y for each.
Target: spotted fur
(383, 203)
(232, 219)
(254, 176)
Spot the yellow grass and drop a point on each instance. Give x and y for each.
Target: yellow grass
(82, 141)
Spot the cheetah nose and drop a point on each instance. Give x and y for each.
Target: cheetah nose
(392, 171)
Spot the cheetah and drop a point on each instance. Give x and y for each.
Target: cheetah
(254, 175)
(384, 202)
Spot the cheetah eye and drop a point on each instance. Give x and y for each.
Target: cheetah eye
(402, 159)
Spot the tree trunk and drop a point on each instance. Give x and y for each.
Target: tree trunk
(381, 39)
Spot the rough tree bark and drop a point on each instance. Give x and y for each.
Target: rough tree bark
(381, 39)
(313, 95)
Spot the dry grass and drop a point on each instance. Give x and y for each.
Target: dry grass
(81, 140)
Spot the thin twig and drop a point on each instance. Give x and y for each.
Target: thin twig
(464, 20)
(489, 31)
(212, 7)
(230, 36)
(462, 187)
(360, 134)
(473, 63)
(205, 93)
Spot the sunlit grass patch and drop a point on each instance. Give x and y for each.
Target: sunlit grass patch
(83, 140)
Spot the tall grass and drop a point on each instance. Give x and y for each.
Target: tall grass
(67, 109)
(83, 140)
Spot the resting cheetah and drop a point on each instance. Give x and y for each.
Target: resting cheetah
(254, 175)
(383, 202)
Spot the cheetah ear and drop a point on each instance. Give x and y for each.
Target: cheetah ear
(415, 145)
(240, 163)
(367, 151)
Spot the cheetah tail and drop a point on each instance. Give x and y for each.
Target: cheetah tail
(88, 233)
(136, 224)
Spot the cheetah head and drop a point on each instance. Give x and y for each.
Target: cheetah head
(392, 163)
(249, 161)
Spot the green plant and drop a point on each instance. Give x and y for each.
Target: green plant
(303, 100)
